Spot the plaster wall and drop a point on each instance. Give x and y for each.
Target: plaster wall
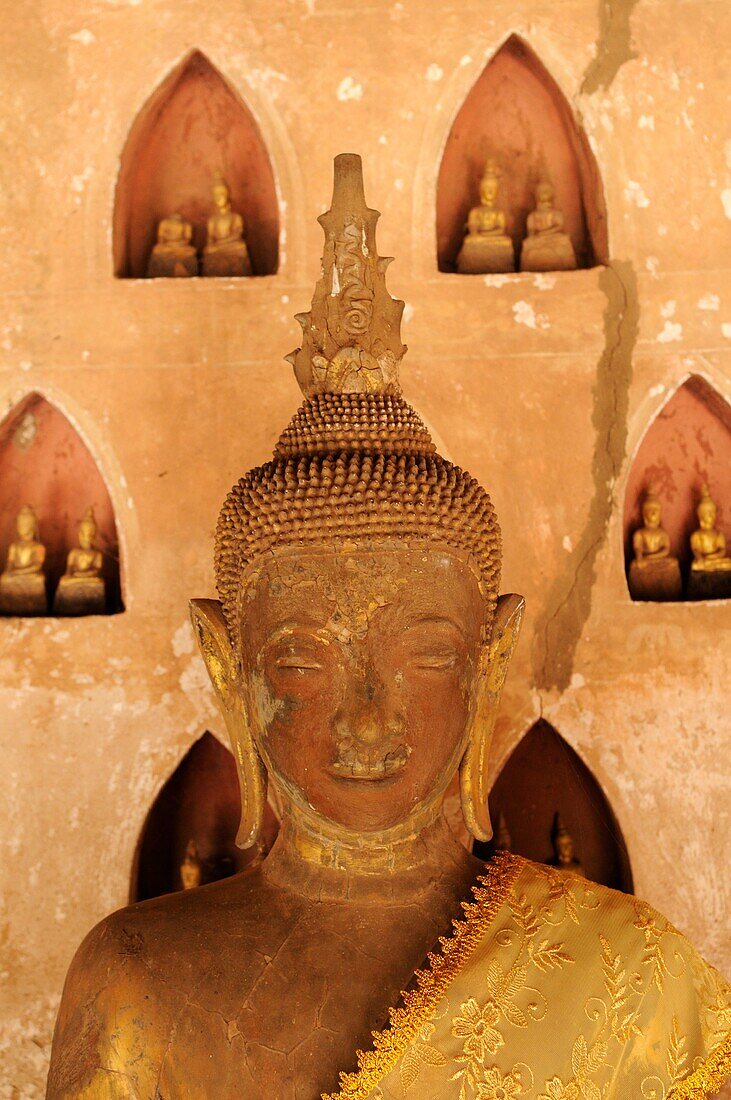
(542, 386)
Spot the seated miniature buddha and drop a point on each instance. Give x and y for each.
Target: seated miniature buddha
(710, 570)
(225, 252)
(487, 247)
(653, 574)
(358, 649)
(564, 858)
(81, 590)
(23, 583)
(191, 869)
(547, 247)
(173, 257)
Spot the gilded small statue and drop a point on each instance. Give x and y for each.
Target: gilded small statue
(191, 869)
(547, 247)
(23, 583)
(174, 256)
(710, 570)
(487, 247)
(358, 650)
(225, 253)
(653, 574)
(81, 590)
(564, 858)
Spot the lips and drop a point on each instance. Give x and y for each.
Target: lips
(369, 763)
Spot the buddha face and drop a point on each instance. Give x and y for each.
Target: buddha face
(87, 534)
(651, 513)
(707, 515)
(544, 196)
(564, 848)
(221, 196)
(359, 667)
(26, 525)
(489, 190)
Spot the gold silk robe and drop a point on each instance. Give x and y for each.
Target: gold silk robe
(553, 988)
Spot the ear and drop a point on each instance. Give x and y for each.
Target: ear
(473, 769)
(214, 643)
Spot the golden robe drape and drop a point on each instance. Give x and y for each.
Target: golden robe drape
(553, 988)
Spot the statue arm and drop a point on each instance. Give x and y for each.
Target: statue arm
(638, 545)
(99, 1045)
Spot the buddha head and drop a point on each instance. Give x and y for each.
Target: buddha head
(220, 193)
(563, 843)
(490, 184)
(651, 509)
(87, 530)
(544, 195)
(706, 510)
(359, 646)
(27, 524)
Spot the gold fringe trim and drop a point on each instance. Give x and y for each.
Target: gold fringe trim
(420, 1003)
(709, 1077)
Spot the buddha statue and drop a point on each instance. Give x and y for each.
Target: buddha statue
(191, 869)
(564, 859)
(174, 256)
(547, 247)
(653, 573)
(503, 840)
(358, 649)
(710, 570)
(225, 252)
(487, 247)
(81, 590)
(23, 583)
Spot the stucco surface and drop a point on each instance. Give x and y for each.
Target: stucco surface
(542, 386)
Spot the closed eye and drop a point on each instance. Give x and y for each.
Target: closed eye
(302, 664)
(435, 660)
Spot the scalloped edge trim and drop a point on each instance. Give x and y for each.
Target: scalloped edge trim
(390, 1044)
(709, 1077)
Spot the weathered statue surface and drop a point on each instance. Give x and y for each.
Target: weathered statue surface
(23, 582)
(225, 252)
(358, 652)
(174, 255)
(81, 590)
(653, 573)
(486, 247)
(547, 247)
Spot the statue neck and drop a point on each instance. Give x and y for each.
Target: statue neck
(325, 862)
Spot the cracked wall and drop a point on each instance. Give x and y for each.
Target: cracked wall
(541, 386)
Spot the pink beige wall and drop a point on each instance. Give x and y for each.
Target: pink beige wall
(543, 386)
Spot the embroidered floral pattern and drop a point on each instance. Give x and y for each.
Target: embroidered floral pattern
(643, 1016)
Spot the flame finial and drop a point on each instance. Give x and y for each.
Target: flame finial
(352, 333)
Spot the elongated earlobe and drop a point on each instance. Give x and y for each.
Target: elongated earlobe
(220, 660)
(473, 778)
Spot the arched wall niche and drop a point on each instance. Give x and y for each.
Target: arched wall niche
(516, 113)
(544, 775)
(193, 125)
(44, 462)
(200, 801)
(688, 443)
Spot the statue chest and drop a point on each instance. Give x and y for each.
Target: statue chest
(283, 1025)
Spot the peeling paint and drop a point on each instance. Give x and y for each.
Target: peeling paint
(613, 46)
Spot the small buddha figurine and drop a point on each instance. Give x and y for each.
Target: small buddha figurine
(564, 859)
(191, 869)
(81, 590)
(358, 650)
(173, 256)
(225, 253)
(503, 840)
(710, 570)
(547, 247)
(487, 247)
(653, 574)
(23, 583)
